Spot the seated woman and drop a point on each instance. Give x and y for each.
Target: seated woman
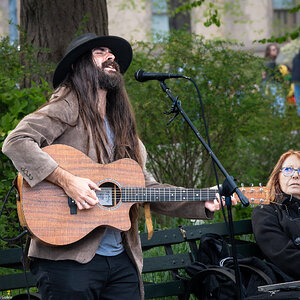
(276, 226)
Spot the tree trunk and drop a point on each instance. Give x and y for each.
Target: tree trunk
(180, 20)
(52, 24)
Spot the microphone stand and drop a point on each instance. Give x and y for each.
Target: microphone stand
(228, 187)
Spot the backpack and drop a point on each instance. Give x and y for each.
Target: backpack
(210, 282)
(212, 249)
(212, 276)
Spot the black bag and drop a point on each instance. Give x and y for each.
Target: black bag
(210, 282)
(212, 276)
(212, 249)
(254, 273)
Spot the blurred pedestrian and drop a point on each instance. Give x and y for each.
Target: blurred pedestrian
(271, 53)
(296, 79)
(272, 78)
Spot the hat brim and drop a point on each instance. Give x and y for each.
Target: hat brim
(120, 48)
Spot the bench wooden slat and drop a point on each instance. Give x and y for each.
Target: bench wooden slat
(162, 237)
(11, 258)
(16, 281)
(165, 263)
(165, 289)
(195, 232)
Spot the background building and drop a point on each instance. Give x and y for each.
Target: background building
(241, 20)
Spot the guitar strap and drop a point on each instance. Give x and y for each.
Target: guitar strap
(148, 220)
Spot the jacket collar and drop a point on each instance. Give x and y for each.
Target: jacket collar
(288, 198)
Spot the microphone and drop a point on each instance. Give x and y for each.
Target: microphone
(142, 76)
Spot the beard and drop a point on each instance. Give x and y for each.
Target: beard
(110, 80)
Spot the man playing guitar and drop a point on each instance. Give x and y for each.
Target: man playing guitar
(90, 111)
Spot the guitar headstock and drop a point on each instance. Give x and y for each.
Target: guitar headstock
(255, 194)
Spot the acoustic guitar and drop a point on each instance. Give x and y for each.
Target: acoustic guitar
(53, 218)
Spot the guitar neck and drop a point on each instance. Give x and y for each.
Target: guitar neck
(166, 194)
(256, 195)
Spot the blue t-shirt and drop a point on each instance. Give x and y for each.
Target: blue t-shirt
(111, 243)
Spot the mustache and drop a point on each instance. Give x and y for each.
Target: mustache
(109, 81)
(111, 63)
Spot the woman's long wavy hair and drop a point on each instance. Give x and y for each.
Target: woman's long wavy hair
(274, 192)
(83, 80)
(268, 50)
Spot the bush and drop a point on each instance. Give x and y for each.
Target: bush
(15, 103)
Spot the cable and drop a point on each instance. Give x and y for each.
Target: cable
(9, 240)
(208, 141)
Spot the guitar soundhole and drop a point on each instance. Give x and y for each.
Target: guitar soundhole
(110, 194)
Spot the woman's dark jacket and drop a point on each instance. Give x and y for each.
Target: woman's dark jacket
(296, 69)
(276, 229)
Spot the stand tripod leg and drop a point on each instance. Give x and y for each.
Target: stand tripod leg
(238, 287)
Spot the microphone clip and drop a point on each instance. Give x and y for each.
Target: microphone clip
(174, 110)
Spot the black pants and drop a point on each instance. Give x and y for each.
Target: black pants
(103, 277)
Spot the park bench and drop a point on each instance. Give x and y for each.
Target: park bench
(172, 261)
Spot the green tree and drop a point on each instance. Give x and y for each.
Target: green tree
(52, 24)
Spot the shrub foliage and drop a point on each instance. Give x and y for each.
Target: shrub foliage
(15, 103)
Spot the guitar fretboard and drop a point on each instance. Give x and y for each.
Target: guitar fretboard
(166, 194)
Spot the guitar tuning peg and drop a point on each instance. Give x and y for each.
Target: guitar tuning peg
(242, 186)
(261, 187)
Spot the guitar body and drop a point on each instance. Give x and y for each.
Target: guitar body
(45, 211)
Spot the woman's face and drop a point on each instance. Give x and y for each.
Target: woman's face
(273, 51)
(289, 179)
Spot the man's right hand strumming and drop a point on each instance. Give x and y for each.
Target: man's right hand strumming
(81, 190)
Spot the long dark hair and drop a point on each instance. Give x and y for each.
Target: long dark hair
(84, 81)
(268, 50)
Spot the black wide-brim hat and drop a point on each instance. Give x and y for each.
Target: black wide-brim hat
(120, 48)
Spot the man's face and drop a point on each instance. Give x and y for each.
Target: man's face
(104, 59)
(109, 76)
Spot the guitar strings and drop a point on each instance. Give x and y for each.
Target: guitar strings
(137, 194)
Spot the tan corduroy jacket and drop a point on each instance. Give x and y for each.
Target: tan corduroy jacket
(23, 147)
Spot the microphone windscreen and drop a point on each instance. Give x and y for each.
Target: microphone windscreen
(139, 75)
